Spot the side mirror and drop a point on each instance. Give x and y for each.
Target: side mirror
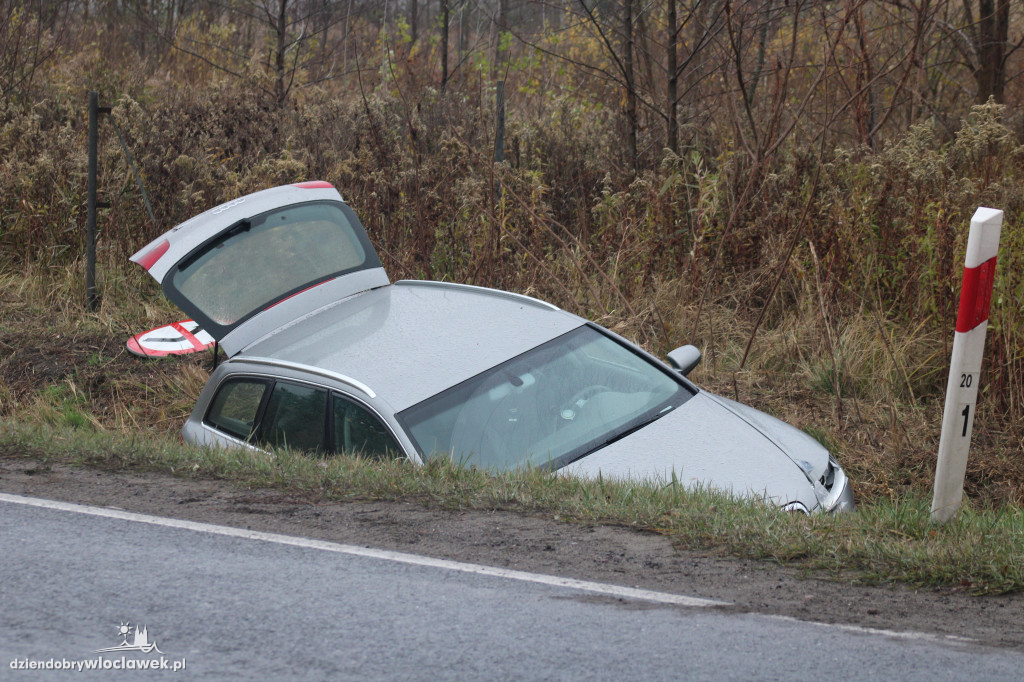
(684, 358)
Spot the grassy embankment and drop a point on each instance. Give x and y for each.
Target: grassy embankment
(885, 541)
(71, 394)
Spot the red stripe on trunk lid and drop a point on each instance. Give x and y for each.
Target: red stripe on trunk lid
(314, 184)
(154, 254)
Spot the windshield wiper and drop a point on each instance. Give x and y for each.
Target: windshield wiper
(636, 427)
(619, 436)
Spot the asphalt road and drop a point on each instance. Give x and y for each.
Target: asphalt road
(238, 607)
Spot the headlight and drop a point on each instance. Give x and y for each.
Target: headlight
(839, 495)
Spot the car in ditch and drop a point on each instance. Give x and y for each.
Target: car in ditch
(325, 354)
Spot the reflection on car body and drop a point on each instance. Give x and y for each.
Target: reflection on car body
(327, 355)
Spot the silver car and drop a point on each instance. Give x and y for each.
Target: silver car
(327, 355)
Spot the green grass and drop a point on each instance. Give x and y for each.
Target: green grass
(886, 541)
(61, 405)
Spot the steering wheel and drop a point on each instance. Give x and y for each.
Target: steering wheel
(568, 413)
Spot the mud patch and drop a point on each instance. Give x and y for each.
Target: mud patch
(101, 377)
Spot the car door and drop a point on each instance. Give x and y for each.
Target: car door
(279, 413)
(357, 432)
(261, 261)
(294, 418)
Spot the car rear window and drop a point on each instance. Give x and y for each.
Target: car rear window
(295, 416)
(269, 256)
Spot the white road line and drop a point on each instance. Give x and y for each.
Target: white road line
(617, 591)
(383, 554)
(897, 634)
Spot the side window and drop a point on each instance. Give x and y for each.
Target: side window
(234, 407)
(295, 417)
(359, 433)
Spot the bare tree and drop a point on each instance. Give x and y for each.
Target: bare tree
(445, 21)
(658, 53)
(414, 21)
(629, 77)
(817, 99)
(688, 35)
(501, 43)
(29, 38)
(613, 25)
(291, 29)
(987, 46)
(672, 71)
(465, 17)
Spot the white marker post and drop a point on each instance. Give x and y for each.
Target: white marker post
(965, 365)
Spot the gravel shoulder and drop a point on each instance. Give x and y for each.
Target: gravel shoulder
(610, 554)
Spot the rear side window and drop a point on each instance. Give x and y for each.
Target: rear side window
(359, 433)
(294, 417)
(235, 406)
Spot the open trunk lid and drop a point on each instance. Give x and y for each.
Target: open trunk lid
(255, 263)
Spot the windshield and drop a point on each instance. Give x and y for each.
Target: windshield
(267, 257)
(546, 407)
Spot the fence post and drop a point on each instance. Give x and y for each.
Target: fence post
(499, 123)
(90, 221)
(90, 229)
(499, 134)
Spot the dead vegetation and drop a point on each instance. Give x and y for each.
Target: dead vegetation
(71, 370)
(811, 249)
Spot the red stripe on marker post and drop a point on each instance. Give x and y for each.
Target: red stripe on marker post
(976, 295)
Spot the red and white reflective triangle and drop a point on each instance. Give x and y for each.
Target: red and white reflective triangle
(178, 338)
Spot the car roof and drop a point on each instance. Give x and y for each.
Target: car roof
(411, 340)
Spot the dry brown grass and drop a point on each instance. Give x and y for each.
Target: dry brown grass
(64, 365)
(881, 417)
(870, 391)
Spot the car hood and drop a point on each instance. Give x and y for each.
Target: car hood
(712, 441)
